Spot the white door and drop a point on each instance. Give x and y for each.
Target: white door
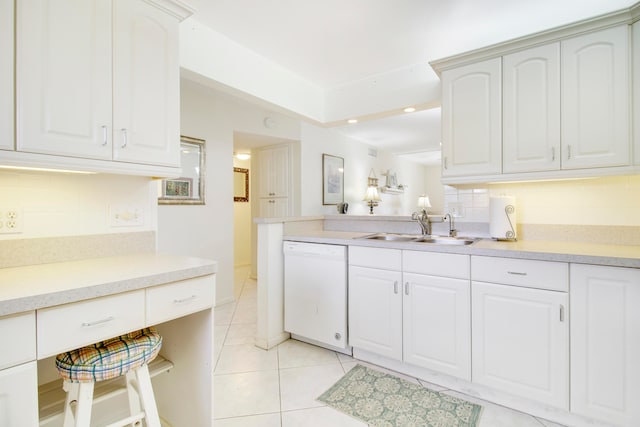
(605, 343)
(595, 99)
(277, 207)
(6, 75)
(520, 341)
(19, 396)
(437, 324)
(63, 77)
(146, 82)
(636, 91)
(531, 113)
(375, 311)
(274, 171)
(472, 119)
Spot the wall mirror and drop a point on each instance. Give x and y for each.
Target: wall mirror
(240, 185)
(188, 189)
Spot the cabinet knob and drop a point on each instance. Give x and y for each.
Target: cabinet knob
(337, 336)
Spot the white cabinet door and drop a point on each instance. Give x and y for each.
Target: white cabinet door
(605, 343)
(274, 171)
(531, 114)
(437, 324)
(19, 396)
(146, 93)
(277, 207)
(595, 99)
(375, 311)
(63, 78)
(6, 75)
(472, 119)
(520, 342)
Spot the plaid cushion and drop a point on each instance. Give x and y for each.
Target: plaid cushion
(111, 358)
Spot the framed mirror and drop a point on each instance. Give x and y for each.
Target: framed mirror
(188, 189)
(240, 185)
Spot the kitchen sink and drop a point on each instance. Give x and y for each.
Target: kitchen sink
(433, 240)
(391, 237)
(445, 240)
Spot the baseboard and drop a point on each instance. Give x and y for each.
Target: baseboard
(268, 343)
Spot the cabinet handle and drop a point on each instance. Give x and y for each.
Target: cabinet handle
(406, 288)
(104, 135)
(561, 313)
(553, 154)
(395, 287)
(568, 152)
(97, 322)
(183, 300)
(124, 138)
(445, 163)
(516, 273)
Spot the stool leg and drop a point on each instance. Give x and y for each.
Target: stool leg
(82, 394)
(146, 394)
(132, 394)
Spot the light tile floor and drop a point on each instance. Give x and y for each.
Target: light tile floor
(279, 387)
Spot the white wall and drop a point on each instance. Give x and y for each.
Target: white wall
(357, 165)
(242, 223)
(207, 231)
(63, 204)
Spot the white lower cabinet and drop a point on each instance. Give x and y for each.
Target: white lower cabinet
(375, 311)
(605, 343)
(404, 314)
(19, 395)
(520, 339)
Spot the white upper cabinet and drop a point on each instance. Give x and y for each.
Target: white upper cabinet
(605, 343)
(531, 114)
(70, 103)
(6, 75)
(64, 78)
(595, 99)
(472, 119)
(146, 89)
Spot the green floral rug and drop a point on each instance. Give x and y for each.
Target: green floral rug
(382, 400)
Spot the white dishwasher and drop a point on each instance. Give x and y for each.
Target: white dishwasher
(315, 294)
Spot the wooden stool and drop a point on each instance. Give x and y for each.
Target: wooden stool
(124, 355)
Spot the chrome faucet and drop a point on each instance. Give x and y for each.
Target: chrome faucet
(452, 231)
(424, 221)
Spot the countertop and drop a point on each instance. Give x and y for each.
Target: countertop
(575, 252)
(44, 285)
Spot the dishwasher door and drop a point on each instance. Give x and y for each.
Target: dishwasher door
(315, 293)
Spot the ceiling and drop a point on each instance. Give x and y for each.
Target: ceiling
(335, 43)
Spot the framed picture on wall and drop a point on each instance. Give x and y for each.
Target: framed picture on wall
(332, 179)
(189, 188)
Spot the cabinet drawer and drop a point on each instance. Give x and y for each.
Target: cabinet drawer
(386, 259)
(436, 264)
(74, 325)
(521, 272)
(17, 329)
(178, 299)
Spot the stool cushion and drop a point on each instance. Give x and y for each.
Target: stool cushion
(110, 358)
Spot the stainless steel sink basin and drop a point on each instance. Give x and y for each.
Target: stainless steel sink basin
(391, 237)
(445, 241)
(434, 240)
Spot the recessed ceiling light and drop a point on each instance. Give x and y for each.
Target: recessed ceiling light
(352, 121)
(243, 156)
(409, 109)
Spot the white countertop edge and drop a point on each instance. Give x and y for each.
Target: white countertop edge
(44, 285)
(580, 253)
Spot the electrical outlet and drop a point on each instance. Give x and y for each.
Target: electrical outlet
(456, 209)
(125, 216)
(10, 220)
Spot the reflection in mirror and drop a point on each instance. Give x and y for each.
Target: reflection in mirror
(188, 189)
(240, 185)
